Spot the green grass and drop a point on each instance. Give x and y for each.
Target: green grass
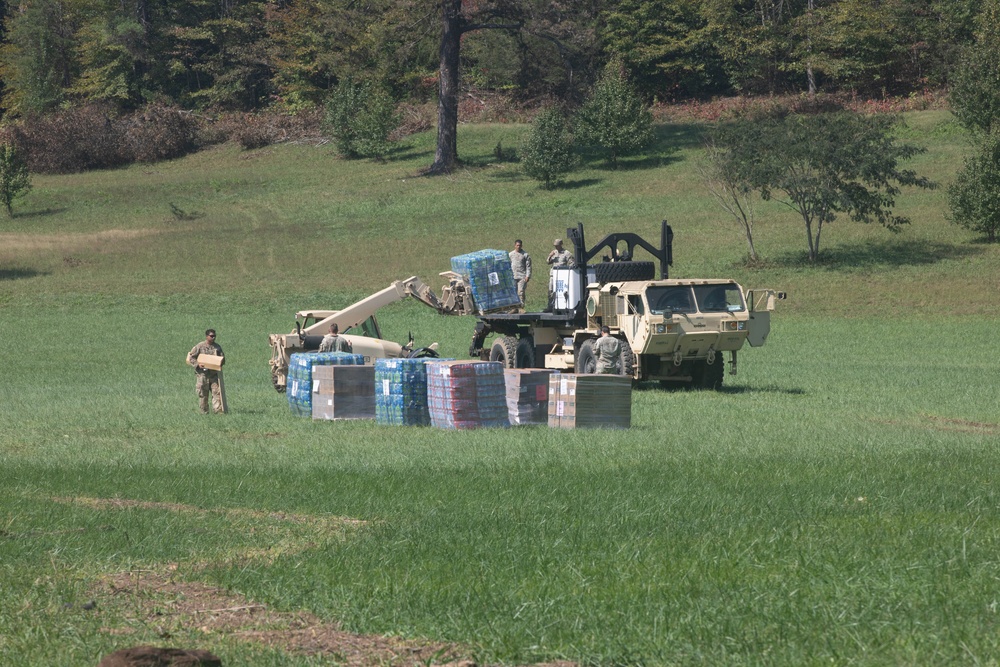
(835, 503)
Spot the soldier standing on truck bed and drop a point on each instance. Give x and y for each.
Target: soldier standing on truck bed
(207, 380)
(560, 258)
(608, 351)
(520, 263)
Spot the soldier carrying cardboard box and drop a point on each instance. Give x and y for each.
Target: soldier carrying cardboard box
(207, 359)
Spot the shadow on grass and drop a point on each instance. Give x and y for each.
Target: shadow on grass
(20, 274)
(887, 254)
(654, 387)
(41, 213)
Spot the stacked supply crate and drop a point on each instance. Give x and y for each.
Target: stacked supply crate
(590, 401)
(401, 391)
(527, 395)
(343, 392)
(490, 278)
(300, 376)
(466, 394)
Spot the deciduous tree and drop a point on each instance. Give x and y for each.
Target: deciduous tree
(825, 164)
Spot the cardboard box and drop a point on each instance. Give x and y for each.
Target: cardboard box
(210, 361)
(343, 406)
(527, 394)
(348, 380)
(590, 401)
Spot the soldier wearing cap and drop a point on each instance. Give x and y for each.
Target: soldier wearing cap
(608, 351)
(207, 380)
(560, 258)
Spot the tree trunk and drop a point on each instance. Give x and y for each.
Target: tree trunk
(446, 156)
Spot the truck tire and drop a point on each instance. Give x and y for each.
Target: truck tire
(524, 356)
(708, 376)
(619, 272)
(626, 363)
(504, 350)
(586, 362)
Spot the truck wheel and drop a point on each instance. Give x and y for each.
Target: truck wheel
(626, 363)
(708, 376)
(423, 353)
(618, 272)
(504, 350)
(524, 356)
(586, 362)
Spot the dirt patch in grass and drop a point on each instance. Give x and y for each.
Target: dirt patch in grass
(17, 244)
(157, 603)
(127, 503)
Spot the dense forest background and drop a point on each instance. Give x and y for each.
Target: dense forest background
(247, 55)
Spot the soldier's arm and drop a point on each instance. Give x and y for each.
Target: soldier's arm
(527, 267)
(192, 358)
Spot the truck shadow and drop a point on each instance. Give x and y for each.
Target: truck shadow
(20, 274)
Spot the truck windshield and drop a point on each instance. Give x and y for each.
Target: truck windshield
(666, 300)
(719, 298)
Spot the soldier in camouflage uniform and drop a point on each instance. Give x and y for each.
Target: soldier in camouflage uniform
(608, 351)
(560, 258)
(334, 342)
(206, 380)
(520, 262)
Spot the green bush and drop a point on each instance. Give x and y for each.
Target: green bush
(614, 119)
(360, 117)
(974, 196)
(547, 153)
(14, 177)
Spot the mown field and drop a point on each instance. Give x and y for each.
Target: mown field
(835, 503)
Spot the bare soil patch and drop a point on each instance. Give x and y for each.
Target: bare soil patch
(156, 601)
(16, 244)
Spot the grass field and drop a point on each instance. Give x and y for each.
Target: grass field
(836, 503)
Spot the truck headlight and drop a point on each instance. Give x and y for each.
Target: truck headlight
(735, 325)
(663, 327)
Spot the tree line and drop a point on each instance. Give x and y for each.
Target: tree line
(288, 54)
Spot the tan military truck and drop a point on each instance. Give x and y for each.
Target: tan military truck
(672, 330)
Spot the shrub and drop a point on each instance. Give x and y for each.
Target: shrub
(361, 117)
(159, 132)
(974, 196)
(547, 153)
(94, 136)
(614, 118)
(14, 177)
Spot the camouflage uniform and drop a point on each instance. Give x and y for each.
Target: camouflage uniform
(334, 343)
(520, 262)
(562, 259)
(206, 380)
(608, 351)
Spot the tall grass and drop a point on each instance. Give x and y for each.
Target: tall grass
(834, 503)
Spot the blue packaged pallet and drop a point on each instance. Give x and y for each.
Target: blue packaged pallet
(401, 392)
(490, 277)
(467, 394)
(300, 372)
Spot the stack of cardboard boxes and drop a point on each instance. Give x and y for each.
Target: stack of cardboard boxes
(527, 392)
(590, 401)
(343, 392)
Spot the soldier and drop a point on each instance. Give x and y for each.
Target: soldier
(560, 258)
(608, 351)
(520, 262)
(332, 342)
(206, 380)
